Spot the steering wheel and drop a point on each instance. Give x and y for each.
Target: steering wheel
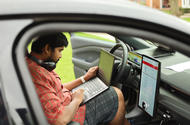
(123, 63)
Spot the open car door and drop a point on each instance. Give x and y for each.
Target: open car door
(86, 49)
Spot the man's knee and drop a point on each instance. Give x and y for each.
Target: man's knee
(119, 94)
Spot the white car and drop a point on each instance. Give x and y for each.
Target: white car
(139, 31)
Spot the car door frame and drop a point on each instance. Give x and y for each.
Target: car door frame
(75, 25)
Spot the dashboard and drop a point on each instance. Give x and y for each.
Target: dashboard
(172, 105)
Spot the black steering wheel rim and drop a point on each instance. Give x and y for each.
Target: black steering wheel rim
(123, 63)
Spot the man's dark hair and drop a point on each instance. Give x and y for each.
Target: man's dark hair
(54, 40)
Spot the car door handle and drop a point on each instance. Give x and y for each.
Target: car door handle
(84, 64)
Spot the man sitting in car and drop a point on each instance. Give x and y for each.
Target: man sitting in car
(60, 105)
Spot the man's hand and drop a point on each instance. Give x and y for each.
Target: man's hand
(70, 110)
(91, 73)
(78, 95)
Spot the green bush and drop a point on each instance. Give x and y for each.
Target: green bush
(185, 10)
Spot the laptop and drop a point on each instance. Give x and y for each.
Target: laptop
(101, 82)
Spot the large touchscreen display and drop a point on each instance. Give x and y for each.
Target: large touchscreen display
(150, 73)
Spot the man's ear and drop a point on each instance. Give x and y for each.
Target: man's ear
(47, 49)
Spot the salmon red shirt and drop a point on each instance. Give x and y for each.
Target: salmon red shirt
(53, 96)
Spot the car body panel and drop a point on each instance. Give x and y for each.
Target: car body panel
(11, 85)
(119, 8)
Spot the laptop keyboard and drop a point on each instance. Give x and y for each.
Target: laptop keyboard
(92, 88)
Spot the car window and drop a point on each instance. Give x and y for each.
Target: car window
(169, 76)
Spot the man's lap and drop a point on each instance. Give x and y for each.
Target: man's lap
(101, 109)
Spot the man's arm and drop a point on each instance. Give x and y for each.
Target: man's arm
(90, 74)
(69, 111)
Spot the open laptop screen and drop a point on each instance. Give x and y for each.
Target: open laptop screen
(150, 77)
(106, 63)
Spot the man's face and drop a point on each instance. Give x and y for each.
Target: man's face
(56, 54)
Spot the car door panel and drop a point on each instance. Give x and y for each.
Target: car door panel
(85, 52)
